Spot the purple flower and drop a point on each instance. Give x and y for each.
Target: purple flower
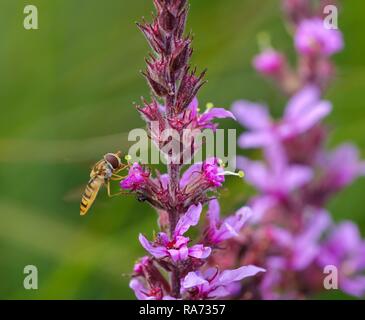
(136, 179)
(269, 62)
(212, 172)
(205, 119)
(213, 284)
(141, 265)
(303, 248)
(209, 173)
(345, 249)
(312, 38)
(145, 292)
(277, 180)
(276, 268)
(192, 119)
(220, 230)
(303, 111)
(261, 205)
(342, 166)
(177, 248)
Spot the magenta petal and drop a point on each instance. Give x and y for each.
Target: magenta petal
(165, 179)
(296, 176)
(199, 251)
(317, 225)
(354, 286)
(215, 113)
(213, 212)
(257, 173)
(313, 115)
(219, 292)
(179, 254)
(174, 254)
(157, 252)
(138, 289)
(229, 276)
(239, 218)
(281, 236)
(189, 174)
(269, 62)
(193, 107)
(260, 205)
(251, 115)
(304, 256)
(232, 225)
(255, 139)
(343, 165)
(181, 241)
(312, 38)
(345, 238)
(193, 279)
(190, 218)
(299, 103)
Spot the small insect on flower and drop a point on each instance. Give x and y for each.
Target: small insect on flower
(102, 173)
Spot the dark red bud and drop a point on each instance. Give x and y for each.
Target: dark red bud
(167, 21)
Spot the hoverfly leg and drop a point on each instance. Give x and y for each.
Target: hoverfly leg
(123, 167)
(116, 177)
(115, 194)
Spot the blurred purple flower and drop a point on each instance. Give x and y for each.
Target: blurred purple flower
(342, 166)
(345, 249)
(312, 38)
(213, 284)
(303, 111)
(269, 62)
(276, 267)
(276, 180)
(177, 249)
(220, 230)
(302, 248)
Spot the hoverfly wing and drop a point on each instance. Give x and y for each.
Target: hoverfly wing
(74, 194)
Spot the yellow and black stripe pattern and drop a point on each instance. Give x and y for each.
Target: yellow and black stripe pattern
(90, 194)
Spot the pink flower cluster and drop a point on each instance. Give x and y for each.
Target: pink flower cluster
(291, 234)
(314, 42)
(176, 268)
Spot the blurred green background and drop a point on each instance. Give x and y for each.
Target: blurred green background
(66, 94)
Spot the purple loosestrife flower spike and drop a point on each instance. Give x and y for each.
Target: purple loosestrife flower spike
(178, 196)
(290, 233)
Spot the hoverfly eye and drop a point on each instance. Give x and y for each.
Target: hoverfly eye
(112, 160)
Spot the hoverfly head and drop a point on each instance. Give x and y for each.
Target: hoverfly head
(113, 160)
